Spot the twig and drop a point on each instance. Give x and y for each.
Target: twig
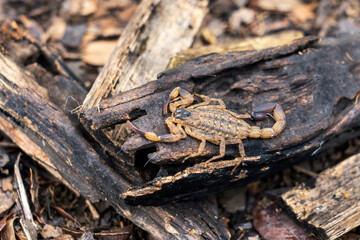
(305, 171)
(28, 223)
(94, 212)
(21, 191)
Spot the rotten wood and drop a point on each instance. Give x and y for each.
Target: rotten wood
(153, 35)
(328, 204)
(252, 43)
(43, 130)
(319, 99)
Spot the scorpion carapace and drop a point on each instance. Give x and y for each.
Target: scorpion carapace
(213, 122)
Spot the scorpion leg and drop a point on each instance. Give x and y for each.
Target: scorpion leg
(223, 144)
(260, 113)
(206, 102)
(198, 135)
(199, 152)
(222, 151)
(174, 100)
(177, 132)
(241, 151)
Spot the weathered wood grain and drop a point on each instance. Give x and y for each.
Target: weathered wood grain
(316, 86)
(251, 43)
(44, 132)
(156, 32)
(34, 113)
(328, 204)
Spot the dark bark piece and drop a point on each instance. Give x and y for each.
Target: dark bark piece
(44, 132)
(28, 119)
(117, 109)
(328, 205)
(64, 91)
(317, 95)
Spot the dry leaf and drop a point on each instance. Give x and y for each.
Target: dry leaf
(275, 5)
(302, 13)
(21, 235)
(127, 13)
(98, 52)
(4, 159)
(112, 4)
(57, 29)
(239, 17)
(6, 200)
(65, 237)
(79, 7)
(272, 222)
(3, 221)
(208, 36)
(105, 27)
(49, 231)
(8, 231)
(6, 184)
(6, 194)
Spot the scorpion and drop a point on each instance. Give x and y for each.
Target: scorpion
(213, 123)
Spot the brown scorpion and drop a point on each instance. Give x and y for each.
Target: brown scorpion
(213, 123)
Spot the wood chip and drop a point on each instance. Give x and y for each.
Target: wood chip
(329, 204)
